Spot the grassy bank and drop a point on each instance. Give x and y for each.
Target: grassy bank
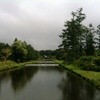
(91, 76)
(7, 65)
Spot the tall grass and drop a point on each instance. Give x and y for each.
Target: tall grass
(5, 65)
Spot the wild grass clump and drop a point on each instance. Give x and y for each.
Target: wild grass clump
(4, 65)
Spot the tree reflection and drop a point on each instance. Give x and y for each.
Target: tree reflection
(51, 68)
(0, 83)
(3, 76)
(21, 77)
(73, 88)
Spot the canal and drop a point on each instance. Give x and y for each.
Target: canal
(45, 83)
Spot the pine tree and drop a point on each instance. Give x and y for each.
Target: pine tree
(72, 35)
(98, 39)
(90, 43)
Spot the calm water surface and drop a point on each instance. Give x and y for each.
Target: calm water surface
(48, 83)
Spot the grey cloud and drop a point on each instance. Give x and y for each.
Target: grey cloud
(39, 22)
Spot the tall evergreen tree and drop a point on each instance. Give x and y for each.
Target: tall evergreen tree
(90, 43)
(98, 39)
(72, 35)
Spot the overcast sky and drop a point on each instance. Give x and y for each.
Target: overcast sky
(39, 22)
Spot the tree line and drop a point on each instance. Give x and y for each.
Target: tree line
(81, 43)
(19, 51)
(79, 40)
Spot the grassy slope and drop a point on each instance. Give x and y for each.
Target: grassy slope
(6, 65)
(11, 64)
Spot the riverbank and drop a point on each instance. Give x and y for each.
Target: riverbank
(7, 65)
(91, 76)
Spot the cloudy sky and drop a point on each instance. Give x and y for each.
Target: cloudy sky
(39, 22)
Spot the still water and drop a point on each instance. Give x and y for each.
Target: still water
(45, 83)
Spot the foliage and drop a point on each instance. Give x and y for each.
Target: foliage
(53, 54)
(47, 54)
(97, 61)
(60, 54)
(32, 53)
(88, 63)
(79, 40)
(98, 38)
(5, 53)
(87, 58)
(19, 51)
(72, 36)
(3, 45)
(89, 41)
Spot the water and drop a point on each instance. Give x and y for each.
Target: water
(45, 83)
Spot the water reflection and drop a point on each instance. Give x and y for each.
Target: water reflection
(52, 68)
(4, 77)
(73, 88)
(45, 83)
(21, 77)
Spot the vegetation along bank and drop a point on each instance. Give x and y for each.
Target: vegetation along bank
(81, 47)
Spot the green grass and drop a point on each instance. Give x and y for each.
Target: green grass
(58, 61)
(6, 65)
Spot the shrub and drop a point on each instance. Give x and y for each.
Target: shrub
(87, 58)
(97, 61)
(86, 63)
(88, 66)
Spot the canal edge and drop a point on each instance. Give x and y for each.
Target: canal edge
(92, 82)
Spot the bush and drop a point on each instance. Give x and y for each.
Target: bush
(87, 58)
(97, 61)
(78, 63)
(87, 63)
(88, 66)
